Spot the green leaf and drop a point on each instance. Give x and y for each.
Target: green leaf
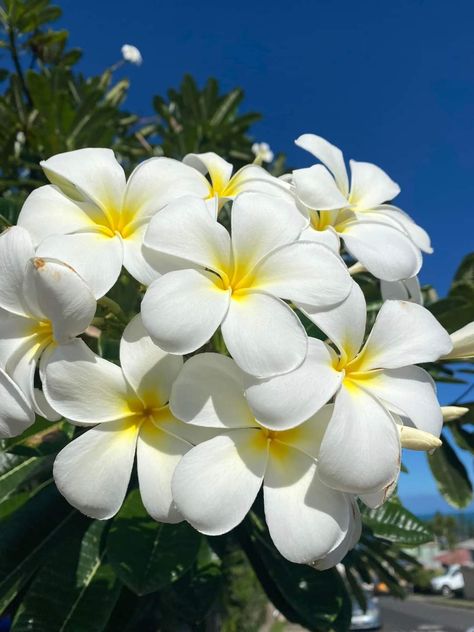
(146, 554)
(75, 591)
(15, 470)
(393, 522)
(28, 535)
(317, 600)
(464, 438)
(465, 272)
(41, 439)
(191, 597)
(451, 476)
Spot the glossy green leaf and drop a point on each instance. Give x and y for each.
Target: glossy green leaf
(395, 523)
(76, 590)
(316, 600)
(451, 476)
(28, 535)
(15, 470)
(148, 555)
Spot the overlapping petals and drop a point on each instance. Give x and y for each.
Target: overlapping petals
(239, 282)
(373, 383)
(16, 414)
(224, 186)
(94, 219)
(382, 237)
(129, 409)
(216, 483)
(310, 424)
(43, 303)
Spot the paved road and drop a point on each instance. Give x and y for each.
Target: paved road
(417, 615)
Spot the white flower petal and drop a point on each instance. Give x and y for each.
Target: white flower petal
(96, 257)
(47, 211)
(14, 329)
(370, 185)
(264, 335)
(344, 324)
(287, 400)
(256, 178)
(158, 454)
(181, 310)
(84, 387)
(409, 391)
(419, 236)
(339, 552)
(93, 471)
(406, 290)
(307, 436)
(148, 265)
(463, 343)
(330, 155)
(305, 518)
(216, 482)
(317, 189)
(209, 392)
(376, 499)
(186, 229)
(327, 237)
(261, 223)
(88, 174)
(16, 248)
(386, 252)
(158, 181)
(210, 163)
(21, 367)
(149, 370)
(304, 272)
(360, 451)
(62, 296)
(16, 414)
(136, 257)
(404, 333)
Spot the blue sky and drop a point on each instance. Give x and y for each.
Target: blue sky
(388, 82)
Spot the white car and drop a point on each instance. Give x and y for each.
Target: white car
(368, 620)
(450, 583)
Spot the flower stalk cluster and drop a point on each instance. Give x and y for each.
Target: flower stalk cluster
(317, 424)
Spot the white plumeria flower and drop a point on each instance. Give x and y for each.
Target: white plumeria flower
(238, 282)
(406, 290)
(339, 552)
(262, 152)
(381, 236)
(376, 383)
(225, 186)
(216, 483)
(43, 303)
(463, 343)
(16, 414)
(95, 220)
(132, 54)
(129, 408)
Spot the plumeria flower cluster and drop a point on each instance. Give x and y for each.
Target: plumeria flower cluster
(220, 394)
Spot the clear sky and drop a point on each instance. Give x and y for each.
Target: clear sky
(388, 82)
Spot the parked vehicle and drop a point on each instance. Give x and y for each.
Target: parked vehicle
(368, 620)
(450, 583)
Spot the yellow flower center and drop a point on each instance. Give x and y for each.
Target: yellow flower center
(354, 375)
(338, 219)
(277, 441)
(116, 222)
(43, 332)
(236, 278)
